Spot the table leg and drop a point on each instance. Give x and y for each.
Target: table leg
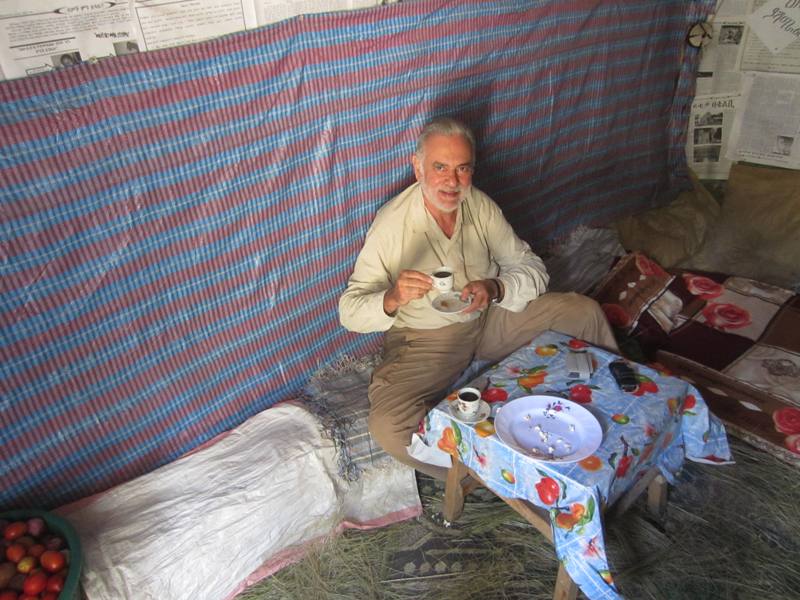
(460, 480)
(657, 496)
(656, 487)
(453, 504)
(565, 587)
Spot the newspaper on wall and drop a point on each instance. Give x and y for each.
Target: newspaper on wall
(42, 35)
(718, 71)
(766, 129)
(773, 23)
(731, 8)
(270, 11)
(167, 23)
(710, 124)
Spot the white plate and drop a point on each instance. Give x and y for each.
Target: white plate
(449, 302)
(548, 428)
(484, 410)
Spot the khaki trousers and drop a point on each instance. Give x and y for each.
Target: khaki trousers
(420, 365)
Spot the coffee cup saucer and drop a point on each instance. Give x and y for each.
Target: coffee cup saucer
(484, 410)
(449, 302)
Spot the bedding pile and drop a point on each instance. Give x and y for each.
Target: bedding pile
(756, 232)
(736, 339)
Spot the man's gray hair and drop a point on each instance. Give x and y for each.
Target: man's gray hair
(444, 126)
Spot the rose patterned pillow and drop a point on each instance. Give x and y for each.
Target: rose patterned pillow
(630, 288)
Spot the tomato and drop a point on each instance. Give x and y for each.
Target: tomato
(8, 595)
(548, 490)
(26, 565)
(35, 583)
(36, 526)
(7, 572)
(16, 552)
(53, 543)
(52, 561)
(494, 395)
(36, 550)
(49, 596)
(55, 583)
(623, 465)
(25, 540)
(15, 529)
(581, 393)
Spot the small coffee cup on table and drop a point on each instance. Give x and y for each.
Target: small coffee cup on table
(443, 279)
(468, 401)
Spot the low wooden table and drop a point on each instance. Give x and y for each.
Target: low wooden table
(646, 436)
(461, 480)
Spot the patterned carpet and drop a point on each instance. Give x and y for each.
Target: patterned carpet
(729, 532)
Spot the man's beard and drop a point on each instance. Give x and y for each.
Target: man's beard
(431, 196)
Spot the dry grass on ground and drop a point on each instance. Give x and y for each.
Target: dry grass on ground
(730, 532)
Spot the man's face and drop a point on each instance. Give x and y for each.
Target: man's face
(444, 171)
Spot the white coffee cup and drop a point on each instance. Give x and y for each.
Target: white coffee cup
(468, 401)
(443, 279)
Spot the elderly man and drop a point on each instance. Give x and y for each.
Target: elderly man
(443, 220)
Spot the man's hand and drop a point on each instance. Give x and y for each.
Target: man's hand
(410, 285)
(483, 292)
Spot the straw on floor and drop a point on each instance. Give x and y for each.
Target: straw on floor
(729, 532)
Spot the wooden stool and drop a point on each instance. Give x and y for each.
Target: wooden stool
(461, 480)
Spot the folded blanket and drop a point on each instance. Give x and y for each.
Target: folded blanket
(337, 395)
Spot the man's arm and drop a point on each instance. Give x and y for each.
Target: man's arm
(373, 297)
(410, 285)
(523, 276)
(361, 306)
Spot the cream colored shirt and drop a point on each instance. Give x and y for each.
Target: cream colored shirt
(405, 236)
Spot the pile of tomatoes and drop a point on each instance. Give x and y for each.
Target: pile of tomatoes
(33, 561)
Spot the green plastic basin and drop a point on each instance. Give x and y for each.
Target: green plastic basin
(60, 526)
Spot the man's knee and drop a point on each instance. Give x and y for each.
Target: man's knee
(569, 307)
(583, 317)
(381, 431)
(586, 307)
(391, 433)
(394, 438)
(578, 303)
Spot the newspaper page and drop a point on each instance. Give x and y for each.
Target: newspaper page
(710, 124)
(40, 35)
(766, 129)
(773, 23)
(167, 23)
(731, 8)
(270, 11)
(718, 72)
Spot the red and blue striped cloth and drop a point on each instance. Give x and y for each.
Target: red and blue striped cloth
(177, 225)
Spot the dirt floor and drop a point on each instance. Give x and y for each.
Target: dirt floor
(729, 532)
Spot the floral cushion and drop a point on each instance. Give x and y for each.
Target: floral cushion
(737, 339)
(630, 289)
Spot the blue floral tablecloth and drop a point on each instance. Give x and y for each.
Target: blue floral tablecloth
(662, 422)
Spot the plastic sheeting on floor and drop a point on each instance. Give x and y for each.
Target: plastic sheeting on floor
(229, 514)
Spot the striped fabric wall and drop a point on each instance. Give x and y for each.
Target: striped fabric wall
(177, 226)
